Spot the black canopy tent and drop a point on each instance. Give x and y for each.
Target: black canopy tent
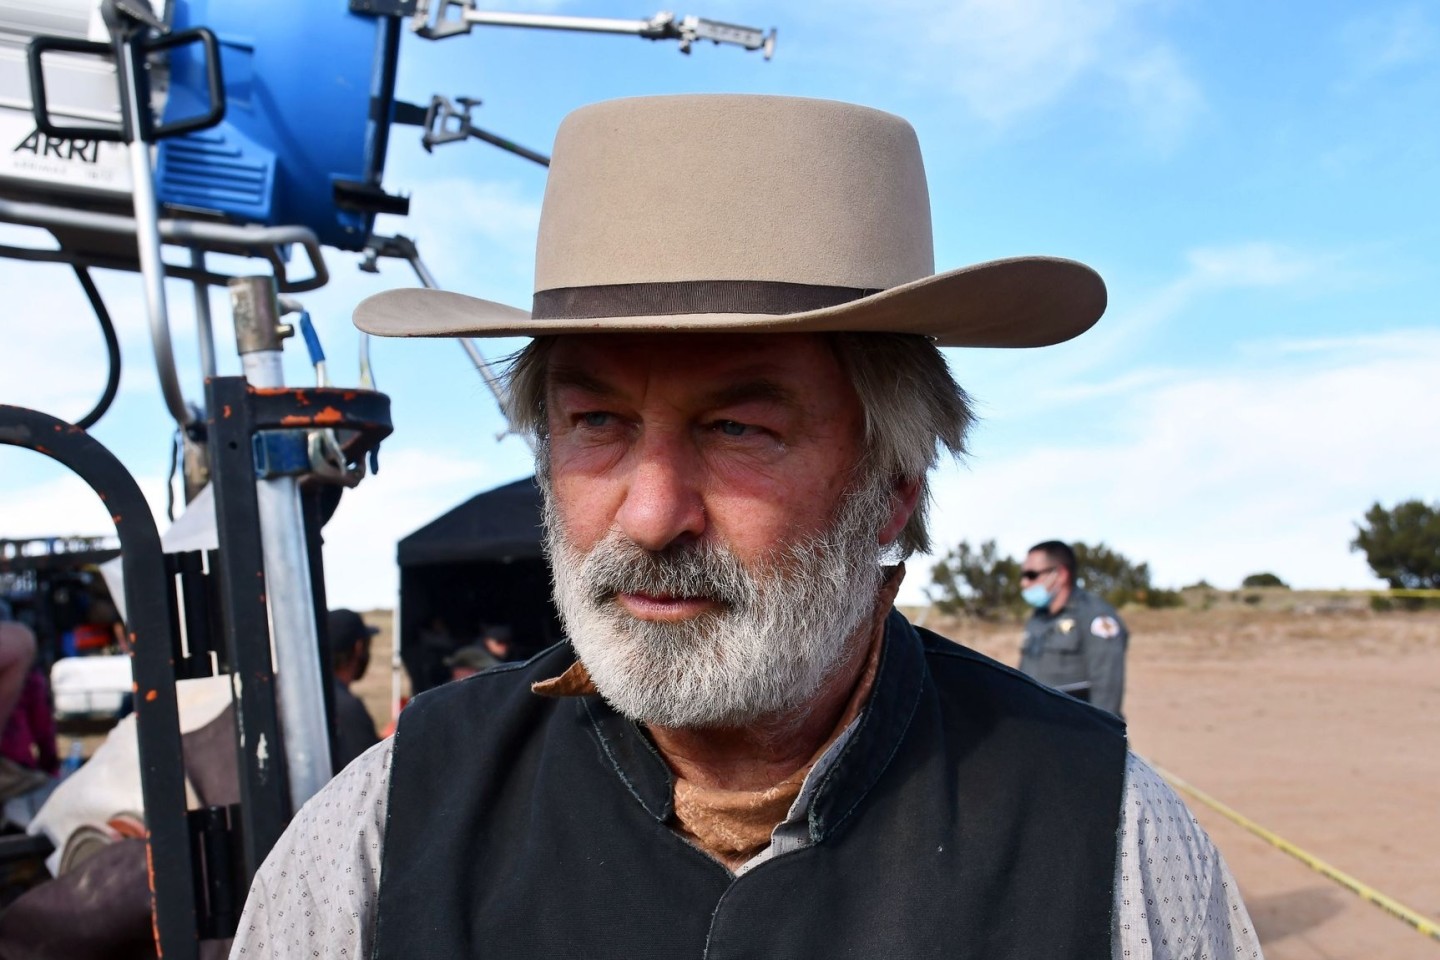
(479, 564)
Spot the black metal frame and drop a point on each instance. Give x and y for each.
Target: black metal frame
(155, 644)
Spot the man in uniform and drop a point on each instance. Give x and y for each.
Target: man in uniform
(742, 750)
(1074, 641)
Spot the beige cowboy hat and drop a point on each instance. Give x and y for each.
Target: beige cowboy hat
(750, 213)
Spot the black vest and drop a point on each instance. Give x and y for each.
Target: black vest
(972, 814)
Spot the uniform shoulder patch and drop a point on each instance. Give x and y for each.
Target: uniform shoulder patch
(1105, 627)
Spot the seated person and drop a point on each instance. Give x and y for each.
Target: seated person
(493, 648)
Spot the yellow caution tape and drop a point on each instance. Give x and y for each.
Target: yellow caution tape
(1373, 593)
(1391, 906)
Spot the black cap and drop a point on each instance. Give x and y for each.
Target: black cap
(346, 628)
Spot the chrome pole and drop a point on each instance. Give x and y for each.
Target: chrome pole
(204, 330)
(147, 238)
(295, 643)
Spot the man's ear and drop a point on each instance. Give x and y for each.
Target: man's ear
(904, 498)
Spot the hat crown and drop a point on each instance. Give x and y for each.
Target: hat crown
(730, 187)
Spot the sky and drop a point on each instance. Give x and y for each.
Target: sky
(1255, 182)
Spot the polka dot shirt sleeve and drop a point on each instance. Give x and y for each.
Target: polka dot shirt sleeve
(1174, 896)
(315, 896)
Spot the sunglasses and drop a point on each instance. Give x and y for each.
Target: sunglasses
(1035, 574)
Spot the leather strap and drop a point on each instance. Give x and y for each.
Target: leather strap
(681, 297)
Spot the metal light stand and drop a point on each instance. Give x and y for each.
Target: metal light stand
(291, 601)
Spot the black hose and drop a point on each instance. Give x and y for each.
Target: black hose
(175, 455)
(112, 347)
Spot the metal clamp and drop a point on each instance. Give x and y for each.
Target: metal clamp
(280, 453)
(445, 124)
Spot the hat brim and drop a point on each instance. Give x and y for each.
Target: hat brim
(1018, 302)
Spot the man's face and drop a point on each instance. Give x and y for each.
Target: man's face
(706, 545)
(362, 657)
(1039, 568)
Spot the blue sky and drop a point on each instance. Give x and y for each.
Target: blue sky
(1256, 183)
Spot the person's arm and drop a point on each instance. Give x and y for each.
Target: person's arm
(317, 893)
(17, 652)
(42, 724)
(1105, 642)
(1175, 898)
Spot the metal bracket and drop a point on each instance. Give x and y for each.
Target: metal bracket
(445, 124)
(383, 8)
(432, 20)
(280, 453)
(328, 461)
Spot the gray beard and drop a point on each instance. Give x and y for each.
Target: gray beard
(780, 631)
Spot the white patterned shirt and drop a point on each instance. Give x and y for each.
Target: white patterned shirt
(316, 895)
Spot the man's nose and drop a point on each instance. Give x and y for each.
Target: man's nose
(663, 501)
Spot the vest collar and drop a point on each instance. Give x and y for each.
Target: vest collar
(844, 784)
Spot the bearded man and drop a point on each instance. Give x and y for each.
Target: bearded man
(743, 750)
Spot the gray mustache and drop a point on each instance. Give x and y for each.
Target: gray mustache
(701, 571)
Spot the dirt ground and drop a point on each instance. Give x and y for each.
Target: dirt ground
(1323, 728)
(1319, 722)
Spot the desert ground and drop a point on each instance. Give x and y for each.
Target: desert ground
(1314, 717)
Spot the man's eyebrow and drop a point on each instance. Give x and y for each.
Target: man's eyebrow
(576, 378)
(758, 389)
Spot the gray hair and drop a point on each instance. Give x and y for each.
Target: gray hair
(913, 408)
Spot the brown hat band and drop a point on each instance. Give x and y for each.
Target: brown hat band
(676, 298)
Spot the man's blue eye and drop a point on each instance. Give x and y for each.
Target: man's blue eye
(732, 429)
(595, 419)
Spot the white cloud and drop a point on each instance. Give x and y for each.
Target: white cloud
(1226, 472)
(54, 355)
(477, 236)
(1164, 96)
(1007, 60)
(1383, 41)
(1070, 371)
(61, 504)
(1250, 264)
(414, 486)
(1209, 270)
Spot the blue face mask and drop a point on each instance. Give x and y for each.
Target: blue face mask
(1037, 596)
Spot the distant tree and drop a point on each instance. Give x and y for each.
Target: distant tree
(1264, 580)
(1111, 574)
(1115, 577)
(1156, 597)
(976, 582)
(1402, 545)
(1201, 584)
